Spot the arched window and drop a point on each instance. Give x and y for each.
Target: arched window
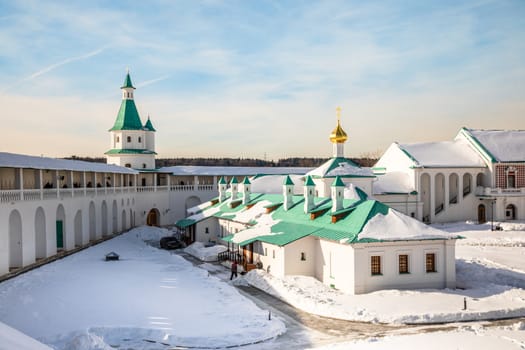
(140, 139)
(127, 165)
(129, 138)
(143, 165)
(118, 139)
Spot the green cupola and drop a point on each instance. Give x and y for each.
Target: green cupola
(128, 117)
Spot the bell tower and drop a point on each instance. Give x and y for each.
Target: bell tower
(132, 143)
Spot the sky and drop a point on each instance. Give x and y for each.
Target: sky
(258, 79)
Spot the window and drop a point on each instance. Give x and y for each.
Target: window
(129, 138)
(303, 256)
(430, 262)
(273, 253)
(206, 230)
(403, 263)
(140, 139)
(128, 165)
(118, 139)
(265, 251)
(375, 264)
(143, 165)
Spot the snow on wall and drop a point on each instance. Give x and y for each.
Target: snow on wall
(11, 160)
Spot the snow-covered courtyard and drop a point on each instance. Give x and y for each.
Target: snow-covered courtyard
(153, 299)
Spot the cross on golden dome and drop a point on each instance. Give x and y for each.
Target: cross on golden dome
(338, 135)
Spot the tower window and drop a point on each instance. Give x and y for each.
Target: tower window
(129, 138)
(127, 165)
(118, 139)
(143, 165)
(140, 139)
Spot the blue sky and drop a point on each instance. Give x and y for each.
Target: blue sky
(249, 78)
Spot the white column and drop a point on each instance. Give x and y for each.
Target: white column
(195, 183)
(432, 197)
(21, 176)
(155, 182)
(84, 182)
(41, 184)
(460, 188)
(447, 191)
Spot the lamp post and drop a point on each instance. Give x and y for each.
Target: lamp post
(492, 201)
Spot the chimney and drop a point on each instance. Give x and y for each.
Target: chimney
(338, 188)
(288, 192)
(309, 188)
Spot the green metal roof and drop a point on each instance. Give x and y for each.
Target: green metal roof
(127, 82)
(338, 182)
(148, 126)
(222, 181)
(129, 151)
(475, 142)
(234, 180)
(127, 117)
(246, 181)
(288, 181)
(183, 223)
(309, 181)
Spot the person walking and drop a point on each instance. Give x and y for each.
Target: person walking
(234, 270)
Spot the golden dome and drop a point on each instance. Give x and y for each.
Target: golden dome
(338, 135)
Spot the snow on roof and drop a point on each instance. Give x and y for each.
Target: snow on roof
(11, 338)
(274, 184)
(263, 228)
(396, 226)
(503, 145)
(232, 170)
(340, 167)
(393, 182)
(11, 160)
(445, 154)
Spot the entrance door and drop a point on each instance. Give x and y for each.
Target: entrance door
(60, 234)
(481, 214)
(152, 218)
(248, 253)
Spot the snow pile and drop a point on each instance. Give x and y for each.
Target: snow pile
(263, 228)
(397, 226)
(252, 213)
(466, 338)
(393, 306)
(203, 253)
(148, 298)
(274, 184)
(10, 338)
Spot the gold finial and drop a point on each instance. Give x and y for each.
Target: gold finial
(338, 135)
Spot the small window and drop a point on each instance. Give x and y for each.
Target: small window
(273, 253)
(140, 139)
(403, 263)
(430, 262)
(303, 256)
(265, 251)
(143, 165)
(206, 230)
(129, 138)
(375, 263)
(118, 139)
(128, 165)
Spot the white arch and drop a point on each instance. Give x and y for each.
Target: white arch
(92, 222)
(60, 233)
(104, 215)
(439, 193)
(40, 234)
(453, 188)
(15, 240)
(425, 196)
(78, 228)
(114, 214)
(124, 223)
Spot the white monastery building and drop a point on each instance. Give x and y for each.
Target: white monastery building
(335, 222)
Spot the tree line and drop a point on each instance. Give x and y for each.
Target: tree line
(306, 162)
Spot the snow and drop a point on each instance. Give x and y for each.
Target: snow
(11, 160)
(398, 226)
(231, 171)
(466, 338)
(350, 192)
(203, 253)
(504, 145)
(393, 182)
(274, 184)
(263, 228)
(494, 283)
(455, 153)
(11, 338)
(149, 297)
(344, 169)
